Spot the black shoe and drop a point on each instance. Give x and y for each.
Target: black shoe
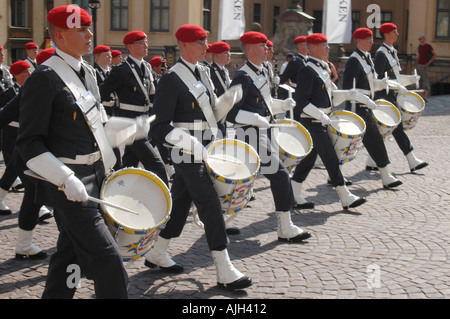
(17, 188)
(40, 255)
(347, 182)
(420, 166)
(233, 231)
(45, 216)
(392, 185)
(175, 269)
(307, 205)
(5, 212)
(297, 239)
(241, 283)
(371, 168)
(356, 203)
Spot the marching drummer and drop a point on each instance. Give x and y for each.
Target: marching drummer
(252, 117)
(290, 74)
(360, 73)
(314, 102)
(386, 60)
(187, 112)
(61, 138)
(133, 83)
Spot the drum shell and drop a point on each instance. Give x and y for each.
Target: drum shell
(391, 110)
(345, 145)
(135, 242)
(298, 132)
(234, 193)
(410, 117)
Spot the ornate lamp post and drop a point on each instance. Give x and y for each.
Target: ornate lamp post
(94, 5)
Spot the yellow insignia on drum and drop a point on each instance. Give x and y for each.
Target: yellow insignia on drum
(74, 116)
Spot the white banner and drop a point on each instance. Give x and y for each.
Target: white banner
(337, 20)
(231, 20)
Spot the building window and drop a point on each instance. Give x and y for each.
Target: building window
(207, 15)
(317, 24)
(119, 15)
(442, 17)
(356, 17)
(19, 13)
(384, 17)
(257, 12)
(276, 13)
(160, 16)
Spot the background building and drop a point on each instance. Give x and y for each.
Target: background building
(22, 21)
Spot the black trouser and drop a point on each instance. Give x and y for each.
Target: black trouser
(271, 166)
(323, 147)
(9, 136)
(142, 151)
(372, 140)
(84, 241)
(193, 184)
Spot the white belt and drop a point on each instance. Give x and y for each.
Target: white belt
(192, 126)
(14, 124)
(135, 108)
(109, 103)
(87, 159)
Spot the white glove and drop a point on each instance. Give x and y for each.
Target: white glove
(142, 127)
(199, 151)
(351, 94)
(276, 80)
(75, 190)
(371, 104)
(325, 120)
(380, 85)
(226, 101)
(262, 122)
(288, 104)
(402, 90)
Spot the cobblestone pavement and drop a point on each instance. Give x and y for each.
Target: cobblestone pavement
(397, 245)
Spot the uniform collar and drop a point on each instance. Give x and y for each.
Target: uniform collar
(257, 67)
(189, 64)
(138, 62)
(318, 62)
(70, 60)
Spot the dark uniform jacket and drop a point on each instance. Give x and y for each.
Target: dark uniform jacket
(290, 73)
(122, 81)
(252, 100)
(313, 90)
(218, 87)
(382, 65)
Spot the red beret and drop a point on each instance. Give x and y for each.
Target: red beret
(253, 37)
(69, 17)
(157, 60)
(269, 43)
(209, 49)
(134, 36)
(190, 33)
(220, 47)
(115, 53)
(31, 45)
(387, 27)
(316, 38)
(300, 39)
(101, 48)
(18, 67)
(362, 33)
(1, 48)
(44, 55)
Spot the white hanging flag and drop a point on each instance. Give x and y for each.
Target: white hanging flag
(231, 19)
(337, 18)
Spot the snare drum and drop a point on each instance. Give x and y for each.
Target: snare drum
(411, 107)
(146, 194)
(387, 117)
(293, 142)
(346, 132)
(233, 166)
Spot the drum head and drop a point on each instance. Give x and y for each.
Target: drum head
(233, 160)
(387, 114)
(347, 123)
(141, 191)
(294, 140)
(411, 102)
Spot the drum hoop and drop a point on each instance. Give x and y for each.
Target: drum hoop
(152, 176)
(416, 96)
(228, 180)
(381, 101)
(357, 117)
(308, 137)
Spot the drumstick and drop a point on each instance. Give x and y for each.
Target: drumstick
(387, 83)
(283, 125)
(95, 200)
(417, 81)
(224, 159)
(151, 119)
